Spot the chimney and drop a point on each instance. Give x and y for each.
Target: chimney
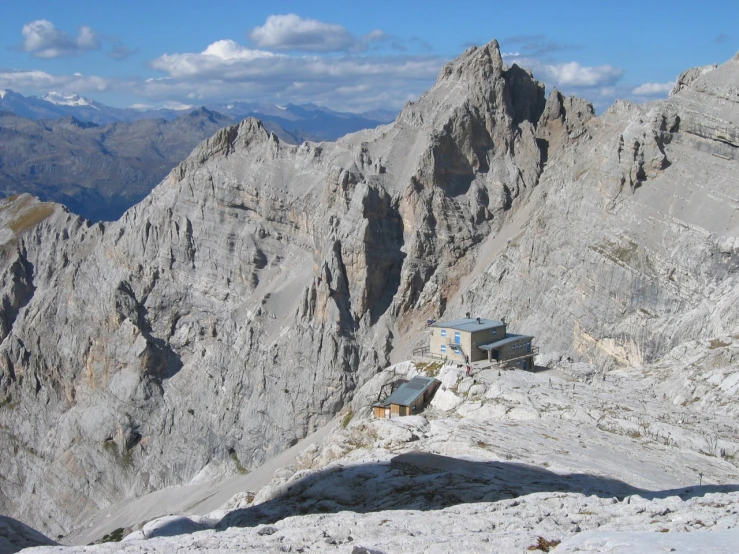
(469, 315)
(478, 321)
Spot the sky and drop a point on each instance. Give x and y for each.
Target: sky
(349, 55)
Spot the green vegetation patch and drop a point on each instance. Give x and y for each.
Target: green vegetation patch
(113, 536)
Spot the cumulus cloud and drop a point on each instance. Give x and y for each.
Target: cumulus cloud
(572, 74)
(653, 89)
(42, 40)
(228, 61)
(226, 70)
(291, 32)
(600, 84)
(41, 81)
(222, 59)
(568, 74)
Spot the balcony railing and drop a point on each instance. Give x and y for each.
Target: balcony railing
(507, 361)
(425, 352)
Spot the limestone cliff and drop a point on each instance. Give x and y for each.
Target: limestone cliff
(629, 245)
(242, 302)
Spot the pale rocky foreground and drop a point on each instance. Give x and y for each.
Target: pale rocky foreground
(644, 460)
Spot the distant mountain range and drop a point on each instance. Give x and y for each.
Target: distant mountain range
(99, 160)
(292, 123)
(54, 105)
(98, 171)
(307, 121)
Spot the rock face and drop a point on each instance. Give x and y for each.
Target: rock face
(629, 243)
(242, 302)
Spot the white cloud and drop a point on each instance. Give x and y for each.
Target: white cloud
(569, 74)
(227, 71)
(572, 74)
(226, 60)
(42, 40)
(35, 81)
(653, 89)
(171, 105)
(216, 60)
(292, 67)
(292, 32)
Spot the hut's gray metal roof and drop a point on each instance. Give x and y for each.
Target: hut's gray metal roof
(469, 325)
(408, 393)
(509, 338)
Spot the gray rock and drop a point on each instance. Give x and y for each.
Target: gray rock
(241, 303)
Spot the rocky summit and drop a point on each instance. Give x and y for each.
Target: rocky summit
(244, 302)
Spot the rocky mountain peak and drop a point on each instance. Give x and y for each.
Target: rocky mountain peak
(225, 142)
(484, 85)
(71, 120)
(689, 75)
(475, 63)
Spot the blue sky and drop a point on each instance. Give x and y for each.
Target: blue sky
(349, 55)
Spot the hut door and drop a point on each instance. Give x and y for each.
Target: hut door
(402, 410)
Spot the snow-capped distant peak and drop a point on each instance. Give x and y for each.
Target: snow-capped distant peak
(3, 93)
(67, 99)
(281, 107)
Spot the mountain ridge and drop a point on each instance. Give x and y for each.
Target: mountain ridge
(296, 122)
(275, 279)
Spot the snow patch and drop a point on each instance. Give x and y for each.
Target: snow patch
(60, 99)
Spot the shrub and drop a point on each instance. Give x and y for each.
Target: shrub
(544, 545)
